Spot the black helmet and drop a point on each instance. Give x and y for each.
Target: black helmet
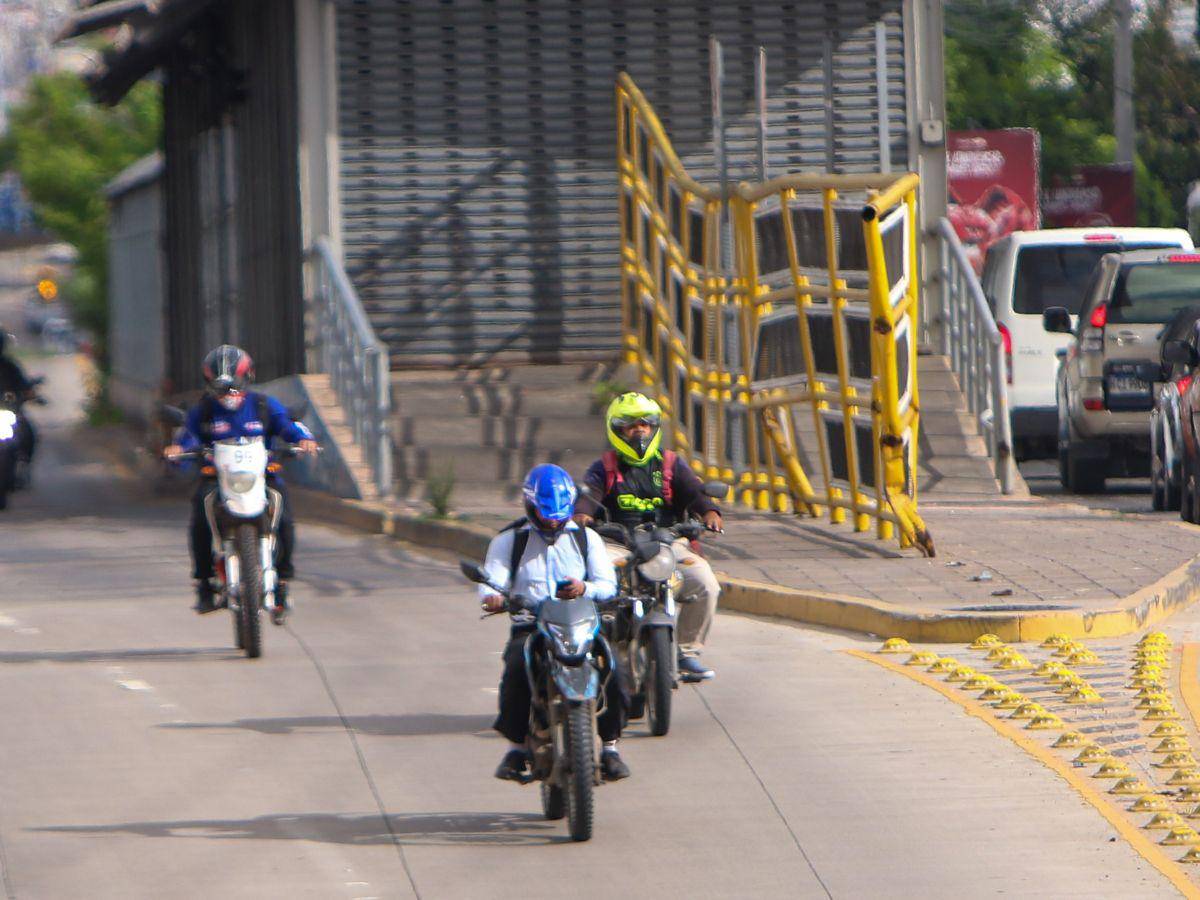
(226, 369)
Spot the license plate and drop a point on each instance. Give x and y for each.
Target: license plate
(1127, 384)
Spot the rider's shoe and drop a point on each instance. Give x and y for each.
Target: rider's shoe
(205, 597)
(513, 766)
(612, 767)
(692, 670)
(283, 606)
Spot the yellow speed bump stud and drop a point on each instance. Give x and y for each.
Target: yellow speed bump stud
(985, 642)
(1064, 676)
(1130, 786)
(1075, 684)
(1150, 803)
(943, 666)
(895, 645)
(1048, 668)
(1046, 722)
(1168, 729)
(1155, 637)
(1158, 698)
(1188, 776)
(979, 682)
(995, 692)
(1192, 856)
(1145, 692)
(1158, 713)
(1181, 835)
(1165, 821)
(1083, 658)
(1085, 695)
(1172, 745)
(1188, 795)
(999, 652)
(1070, 740)
(1014, 663)
(1182, 760)
(1055, 640)
(1028, 711)
(962, 673)
(922, 658)
(1011, 700)
(1093, 753)
(1113, 768)
(1150, 681)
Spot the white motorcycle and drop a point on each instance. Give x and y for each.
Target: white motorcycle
(243, 515)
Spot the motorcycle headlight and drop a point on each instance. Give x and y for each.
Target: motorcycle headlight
(660, 566)
(8, 424)
(241, 482)
(572, 640)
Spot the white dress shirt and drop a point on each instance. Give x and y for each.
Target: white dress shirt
(544, 565)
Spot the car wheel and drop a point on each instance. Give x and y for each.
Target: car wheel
(1158, 469)
(1064, 454)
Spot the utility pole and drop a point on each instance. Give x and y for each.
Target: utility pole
(1123, 80)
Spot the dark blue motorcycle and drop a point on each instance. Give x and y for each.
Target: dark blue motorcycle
(567, 660)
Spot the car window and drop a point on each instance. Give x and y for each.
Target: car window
(1147, 293)
(1057, 275)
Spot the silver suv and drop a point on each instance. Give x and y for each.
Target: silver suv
(1110, 372)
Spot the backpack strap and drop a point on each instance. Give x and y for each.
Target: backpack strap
(668, 482)
(612, 474)
(520, 542)
(581, 544)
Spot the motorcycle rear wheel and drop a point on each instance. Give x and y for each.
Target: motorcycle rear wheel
(658, 681)
(581, 774)
(251, 588)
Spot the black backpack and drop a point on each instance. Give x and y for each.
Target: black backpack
(521, 541)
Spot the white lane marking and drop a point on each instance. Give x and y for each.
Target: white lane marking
(134, 685)
(490, 690)
(29, 631)
(8, 621)
(358, 884)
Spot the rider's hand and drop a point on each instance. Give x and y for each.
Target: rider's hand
(712, 521)
(573, 589)
(308, 446)
(492, 603)
(583, 520)
(171, 451)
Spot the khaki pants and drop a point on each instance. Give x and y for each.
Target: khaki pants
(697, 599)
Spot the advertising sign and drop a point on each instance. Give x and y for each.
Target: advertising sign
(993, 186)
(1095, 196)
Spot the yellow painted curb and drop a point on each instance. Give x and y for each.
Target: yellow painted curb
(1144, 846)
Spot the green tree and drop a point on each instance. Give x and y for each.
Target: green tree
(66, 148)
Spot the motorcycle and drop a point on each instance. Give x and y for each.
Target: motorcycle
(567, 660)
(14, 471)
(243, 515)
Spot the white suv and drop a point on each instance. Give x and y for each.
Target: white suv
(1029, 272)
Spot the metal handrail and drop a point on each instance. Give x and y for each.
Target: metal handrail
(355, 360)
(972, 342)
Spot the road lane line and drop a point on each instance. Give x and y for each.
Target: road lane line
(779, 812)
(1144, 846)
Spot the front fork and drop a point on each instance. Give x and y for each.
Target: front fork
(225, 556)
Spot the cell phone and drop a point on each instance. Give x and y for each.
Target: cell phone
(564, 583)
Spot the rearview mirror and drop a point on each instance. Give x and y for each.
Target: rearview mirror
(718, 490)
(473, 572)
(1056, 319)
(172, 415)
(1180, 352)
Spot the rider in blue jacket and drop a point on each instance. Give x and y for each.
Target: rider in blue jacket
(229, 410)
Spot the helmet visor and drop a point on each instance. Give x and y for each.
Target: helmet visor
(629, 421)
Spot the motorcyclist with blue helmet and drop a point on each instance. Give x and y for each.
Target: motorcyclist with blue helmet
(532, 559)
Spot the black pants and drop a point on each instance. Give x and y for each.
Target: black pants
(201, 534)
(513, 720)
(26, 438)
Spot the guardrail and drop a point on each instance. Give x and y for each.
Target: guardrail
(355, 360)
(799, 359)
(975, 348)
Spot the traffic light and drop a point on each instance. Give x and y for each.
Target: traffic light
(47, 289)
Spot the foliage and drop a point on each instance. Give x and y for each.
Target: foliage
(439, 488)
(1048, 65)
(66, 149)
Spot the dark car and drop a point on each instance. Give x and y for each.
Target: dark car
(1165, 418)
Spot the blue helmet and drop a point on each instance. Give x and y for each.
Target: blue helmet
(549, 498)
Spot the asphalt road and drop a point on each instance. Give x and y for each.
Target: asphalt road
(1127, 495)
(143, 757)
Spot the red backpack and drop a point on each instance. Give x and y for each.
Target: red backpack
(613, 477)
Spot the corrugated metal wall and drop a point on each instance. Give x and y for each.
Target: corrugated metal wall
(232, 195)
(478, 147)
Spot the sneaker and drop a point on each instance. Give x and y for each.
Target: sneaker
(692, 670)
(612, 767)
(513, 766)
(205, 597)
(283, 606)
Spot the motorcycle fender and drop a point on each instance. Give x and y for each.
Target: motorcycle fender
(577, 683)
(658, 619)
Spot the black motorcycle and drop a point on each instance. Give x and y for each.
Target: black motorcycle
(567, 660)
(14, 470)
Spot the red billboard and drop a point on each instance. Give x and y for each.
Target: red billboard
(1095, 196)
(992, 178)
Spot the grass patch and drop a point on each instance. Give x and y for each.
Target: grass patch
(439, 489)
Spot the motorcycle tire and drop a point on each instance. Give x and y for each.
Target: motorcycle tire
(581, 771)
(554, 803)
(250, 566)
(658, 681)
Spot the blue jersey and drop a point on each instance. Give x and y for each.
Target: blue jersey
(241, 422)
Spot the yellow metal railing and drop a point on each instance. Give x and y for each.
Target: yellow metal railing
(799, 359)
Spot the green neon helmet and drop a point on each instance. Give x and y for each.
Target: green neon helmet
(625, 411)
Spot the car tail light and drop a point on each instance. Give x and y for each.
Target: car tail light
(1107, 238)
(1184, 257)
(1099, 316)
(1183, 384)
(1006, 344)
(1093, 403)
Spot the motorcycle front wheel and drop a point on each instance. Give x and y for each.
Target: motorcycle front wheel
(581, 774)
(658, 685)
(251, 588)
